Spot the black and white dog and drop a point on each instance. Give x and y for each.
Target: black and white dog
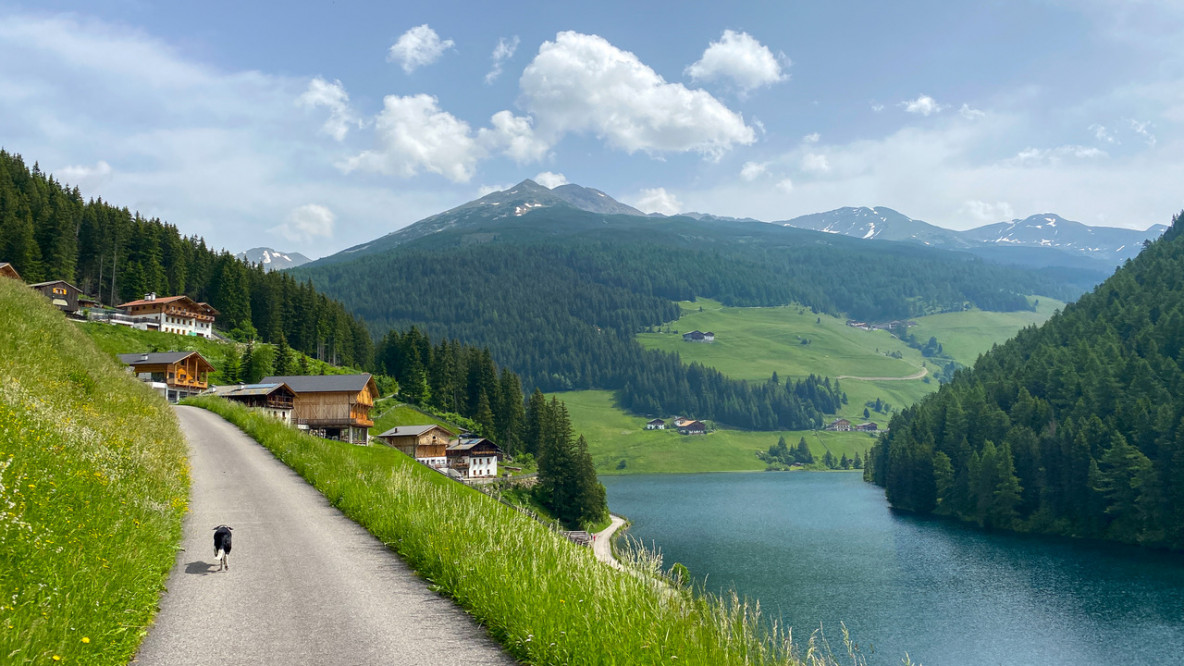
(222, 546)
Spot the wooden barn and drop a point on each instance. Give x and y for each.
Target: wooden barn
(62, 294)
(9, 271)
(276, 400)
(426, 443)
(178, 374)
(332, 406)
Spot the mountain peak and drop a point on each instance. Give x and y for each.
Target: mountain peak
(273, 260)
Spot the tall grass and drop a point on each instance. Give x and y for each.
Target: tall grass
(546, 600)
(93, 486)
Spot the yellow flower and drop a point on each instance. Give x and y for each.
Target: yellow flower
(57, 658)
(85, 639)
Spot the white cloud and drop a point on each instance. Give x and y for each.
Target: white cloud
(876, 108)
(501, 53)
(923, 105)
(1102, 134)
(417, 47)
(815, 163)
(1033, 156)
(1141, 128)
(582, 83)
(514, 136)
(987, 213)
(415, 135)
(753, 170)
(813, 137)
(970, 113)
(785, 185)
(657, 200)
(332, 96)
(490, 189)
(740, 57)
(85, 176)
(550, 180)
(307, 223)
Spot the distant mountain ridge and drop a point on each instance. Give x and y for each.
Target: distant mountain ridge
(273, 260)
(1108, 245)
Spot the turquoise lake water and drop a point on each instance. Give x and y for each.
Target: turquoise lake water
(824, 548)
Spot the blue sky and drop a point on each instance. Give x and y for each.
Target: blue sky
(314, 126)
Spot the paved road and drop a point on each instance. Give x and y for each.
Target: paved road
(306, 585)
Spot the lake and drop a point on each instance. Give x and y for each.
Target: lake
(824, 548)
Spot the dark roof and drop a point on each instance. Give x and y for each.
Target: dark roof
(322, 383)
(413, 430)
(469, 443)
(46, 284)
(655, 421)
(256, 389)
(155, 358)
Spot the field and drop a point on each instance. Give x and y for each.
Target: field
(93, 486)
(391, 414)
(965, 335)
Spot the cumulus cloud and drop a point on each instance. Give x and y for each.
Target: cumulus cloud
(753, 170)
(550, 180)
(81, 175)
(415, 135)
(307, 223)
(815, 163)
(490, 189)
(501, 53)
(582, 83)
(332, 96)
(741, 58)
(987, 213)
(924, 105)
(970, 113)
(514, 136)
(657, 200)
(417, 47)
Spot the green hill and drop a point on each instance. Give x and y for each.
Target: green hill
(1076, 427)
(93, 485)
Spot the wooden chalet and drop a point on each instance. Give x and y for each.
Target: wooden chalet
(698, 336)
(692, 428)
(866, 427)
(276, 400)
(9, 271)
(840, 425)
(428, 444)
(332, 406)
(171, 314)
(474, 457)
(176, 374)
(655, 424)
(62, 294)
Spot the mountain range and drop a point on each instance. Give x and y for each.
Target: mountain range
(273, 260)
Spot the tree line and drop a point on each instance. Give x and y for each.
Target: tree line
(48, 232)
(1076, 427)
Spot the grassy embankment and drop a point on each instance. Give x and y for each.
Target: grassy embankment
(546, 600)
(751, 344)
(93, 486)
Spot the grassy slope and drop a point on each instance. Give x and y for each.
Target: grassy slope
(93, 485)
(546, 600)
(394, 414)
(752, 343)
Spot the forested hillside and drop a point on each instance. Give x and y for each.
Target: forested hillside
(1074, 428)
(557, 294)
(49, 233)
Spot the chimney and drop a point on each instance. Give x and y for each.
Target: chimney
(150, 296)
(144, 358)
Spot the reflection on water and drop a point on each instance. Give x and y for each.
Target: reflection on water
(820, 548)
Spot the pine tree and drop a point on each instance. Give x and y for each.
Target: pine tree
(283, 357)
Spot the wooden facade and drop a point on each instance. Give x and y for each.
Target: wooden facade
(332, 406)
(426, 443)
(182, 373)
(172, 314)
(9, 271)
(62, 294)
(276, 400)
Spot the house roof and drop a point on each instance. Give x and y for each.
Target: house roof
(46, 284)
(170, 299)
(256, 389)
(157, 358)
(655, 421)
(323, 383)
(470, 443)
(8, 269)
(414, 430)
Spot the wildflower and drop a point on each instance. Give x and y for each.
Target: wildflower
(85, 639)
(57, 658)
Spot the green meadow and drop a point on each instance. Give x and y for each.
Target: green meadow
(93, 485)
(389, 413)
(966, 335)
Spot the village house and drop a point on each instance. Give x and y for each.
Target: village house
(840, 425)
(866, 427)
(692, 428)
(62, 294)
(698, 336)
(9, 271)
(426, 443)
(170, 314)
(275, 400)
(332, 406)
(176, 375)
(655, 424)
(474, 457)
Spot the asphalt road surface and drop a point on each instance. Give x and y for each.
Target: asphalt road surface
(306, 585)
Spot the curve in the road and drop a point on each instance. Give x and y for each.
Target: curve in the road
(306, 585)
(918, 375)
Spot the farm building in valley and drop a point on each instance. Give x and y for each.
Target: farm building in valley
(62, 294)
(170, 314)
(655, 424)
(840, 425)
(692, 428)
(176, 375)
(426, 443)
(698, 336)
(332, 406)
(276, 400)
